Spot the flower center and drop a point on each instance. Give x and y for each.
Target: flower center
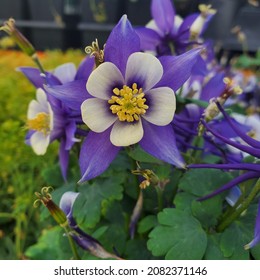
(40, 123)
(128, 103)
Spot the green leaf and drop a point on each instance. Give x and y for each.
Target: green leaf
(88, 206)
(147, 223)
(232, 242)
(137, 250)
(201, 182)
(213, 251)
(114, 239)
(179, 236)
(52, 175)
(52, 245)
(255, 251)
(138, 154)
(183, 201)
(207, 211)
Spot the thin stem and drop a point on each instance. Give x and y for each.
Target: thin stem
(38, 63)
(234, 215)
(72, 244)
(159, 191)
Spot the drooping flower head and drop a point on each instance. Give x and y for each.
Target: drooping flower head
(132, 101)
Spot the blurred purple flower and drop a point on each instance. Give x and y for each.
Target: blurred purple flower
(63, 115)
(168, 33)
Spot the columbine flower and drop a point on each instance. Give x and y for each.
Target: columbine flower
(40, 122)
(65, 112)
(132, 102)
(124, 101)
(167, 32)
(198, 26)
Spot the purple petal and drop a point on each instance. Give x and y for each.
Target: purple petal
(214, 87)
(71, 94)
(160, 142)
(184, 30)
(250, 141)
(122, 42)
(149, 39)
(85, 68)
(97, 152)
(247, 149)
(63, 158)
(233, 196)
(163, 14)
(67, 201)
(257, 231)
(177, 69)
(66, 72)
(35, 77)
(70, 131)
(231, 184)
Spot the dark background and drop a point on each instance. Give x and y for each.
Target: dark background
(66, 24)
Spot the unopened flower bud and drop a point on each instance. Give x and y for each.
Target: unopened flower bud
(10, 28)
(45, 198)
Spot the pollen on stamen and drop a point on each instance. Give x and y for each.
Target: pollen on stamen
(128, 103)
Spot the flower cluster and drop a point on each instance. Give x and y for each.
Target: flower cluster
(158, 89)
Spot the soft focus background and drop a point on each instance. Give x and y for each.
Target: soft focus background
(60, 30)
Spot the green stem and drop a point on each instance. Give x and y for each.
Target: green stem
(72, 244)
(234, 215)
(38, 63)
(159, 191)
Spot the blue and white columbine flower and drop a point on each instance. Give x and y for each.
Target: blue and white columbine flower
(132, 101)
(122, 102)
(40, 122)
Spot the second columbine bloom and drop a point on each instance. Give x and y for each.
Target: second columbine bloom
(123, 100)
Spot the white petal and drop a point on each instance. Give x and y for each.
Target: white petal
(125, 134)
(152, 25)
(41, 96)
(39, 142)
(162, 106)
(143, 69)
(39, 105)
(97, 115)
(65, 72)
(103, 79)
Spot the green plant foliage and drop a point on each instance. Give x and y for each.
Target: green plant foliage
(93, 196)
(201, 182)
(178, 236)
(52, 245)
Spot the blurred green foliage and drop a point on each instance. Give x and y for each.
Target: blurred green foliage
(20, 169)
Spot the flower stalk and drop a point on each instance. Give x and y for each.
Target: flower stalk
(239, 210)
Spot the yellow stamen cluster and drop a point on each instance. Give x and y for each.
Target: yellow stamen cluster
(128, 103)
(236, 89)
(40, 123)
(206, 10)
